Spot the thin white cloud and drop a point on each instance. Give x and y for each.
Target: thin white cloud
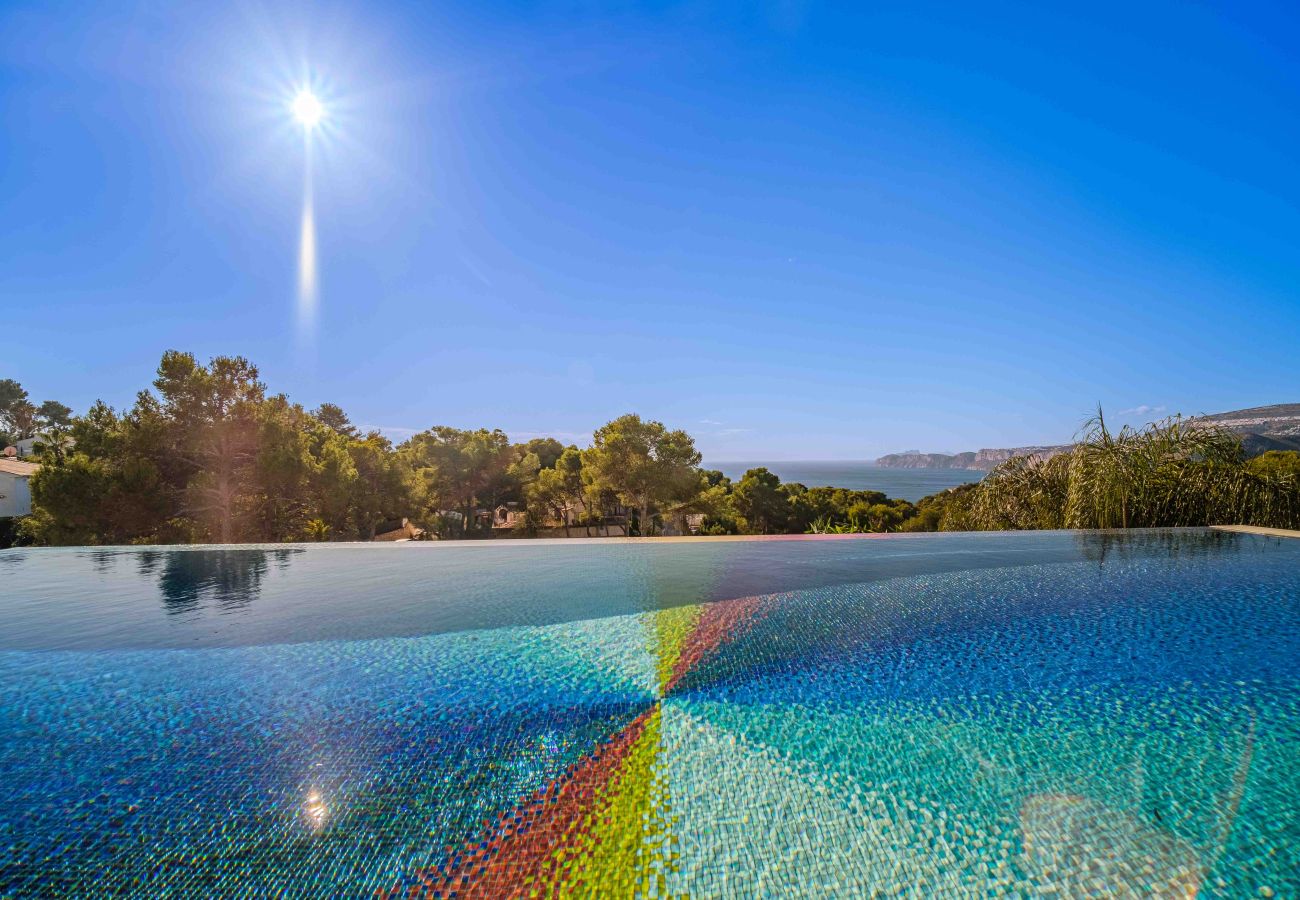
(1142, 410)
(709, 422)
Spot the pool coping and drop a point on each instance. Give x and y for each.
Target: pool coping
(1257, 529)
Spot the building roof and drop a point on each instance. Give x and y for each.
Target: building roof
(17, 466)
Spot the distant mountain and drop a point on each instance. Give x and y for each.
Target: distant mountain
(915, 459)
(1261, 428)
(980, 461)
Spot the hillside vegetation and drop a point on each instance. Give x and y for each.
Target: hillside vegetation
(1169, 473)
(208, 455)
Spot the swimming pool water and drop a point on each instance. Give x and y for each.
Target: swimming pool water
(964, 715)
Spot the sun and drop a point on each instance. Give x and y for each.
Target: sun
(307, 109)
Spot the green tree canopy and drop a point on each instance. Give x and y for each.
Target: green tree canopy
(55, 414)
(547, 450)
(760, 501)
(455, 470)
(12, 395)
(211, 457)
(20, 418)
(334, 418)
(1277, 464)
(112, 488)
(212, 412)
(558, 490)
(642, 463)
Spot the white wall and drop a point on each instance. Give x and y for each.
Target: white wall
(15, 498)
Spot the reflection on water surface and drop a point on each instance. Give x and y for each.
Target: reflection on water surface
(964, 716)
(79, 599)
(229, 578)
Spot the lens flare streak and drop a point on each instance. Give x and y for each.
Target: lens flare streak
(307, 289)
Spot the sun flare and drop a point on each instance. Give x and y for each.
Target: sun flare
(307, 109)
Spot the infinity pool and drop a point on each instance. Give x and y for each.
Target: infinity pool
(931, 715)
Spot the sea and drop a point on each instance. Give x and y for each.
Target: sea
(858, 475)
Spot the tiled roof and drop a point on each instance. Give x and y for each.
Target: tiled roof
(17, 466)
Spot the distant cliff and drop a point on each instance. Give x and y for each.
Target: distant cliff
(1261, 428)
(918, 460)
(981, 461)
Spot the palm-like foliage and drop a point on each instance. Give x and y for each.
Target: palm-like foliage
(825, 525)
(1025, 492)
(1169, 473)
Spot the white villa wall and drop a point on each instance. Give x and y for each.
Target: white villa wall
(15, 498)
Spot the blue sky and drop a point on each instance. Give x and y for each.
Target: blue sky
(799, 231)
